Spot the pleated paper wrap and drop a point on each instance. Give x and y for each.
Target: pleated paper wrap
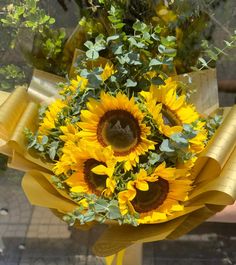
(215, 170)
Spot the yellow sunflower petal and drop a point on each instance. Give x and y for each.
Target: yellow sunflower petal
(141, 185)
(107, 72)
(102, 170)
(79, 189)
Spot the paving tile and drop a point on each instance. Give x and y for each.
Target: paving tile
(94, 260)
(48, 231)
(148, 254)
(70, 260)
(193, 262)
(93, 235)
(16, 230)
(44, 224)
(227, 99)
(220, 250)
(19, 210)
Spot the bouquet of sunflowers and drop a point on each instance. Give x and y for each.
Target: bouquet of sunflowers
(122, 137)
(120, 142)
(120, 158)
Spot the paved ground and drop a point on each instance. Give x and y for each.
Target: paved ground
(33, 236)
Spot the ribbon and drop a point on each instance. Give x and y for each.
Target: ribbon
(109, 260)
(119, 258)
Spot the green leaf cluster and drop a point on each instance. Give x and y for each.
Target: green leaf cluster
(94, 48)
(99, 210)
(27, 18)
(134, 56)
(11, 75)
(212, 124)
(48, 147)
(27, 14)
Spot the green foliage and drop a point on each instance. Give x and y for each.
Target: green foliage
(115, 17)
(212, 124)
(133, 55)
(47, 147)
(191, 22)
(26, 14)
(95, 48)
(166, 147)
(26, 17)
(11, 75)
(58, 183)
(53, 43)
(175, 149)
(154, 158)
(100, 209)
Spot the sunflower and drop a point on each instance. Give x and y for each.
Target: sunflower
(92, 168)
(116, 122)
(156, 196)
(51, 117)
(170, 111)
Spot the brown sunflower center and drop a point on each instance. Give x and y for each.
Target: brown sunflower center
(120, 129)
(169, 117)
(151, 199)
(97, 183)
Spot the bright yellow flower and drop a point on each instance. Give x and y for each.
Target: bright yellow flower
(125, 197)
(170, 111)
(157, 196)
(80, 82)
(64, 165)
(166, 108)
(92, 168)
(116, 122)
(70, 133)
(51, 117)
(107, 72)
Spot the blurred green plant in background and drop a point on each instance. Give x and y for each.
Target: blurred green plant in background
(11, 74)
(28, 27)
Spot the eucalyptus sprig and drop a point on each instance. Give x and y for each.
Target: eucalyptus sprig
(134, 56)
(99, 210)
(212, 53)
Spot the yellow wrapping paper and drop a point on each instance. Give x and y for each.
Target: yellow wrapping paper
(215, 171)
